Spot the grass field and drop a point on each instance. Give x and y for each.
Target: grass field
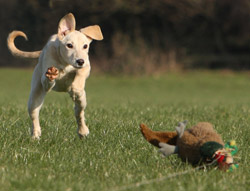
(115, 156)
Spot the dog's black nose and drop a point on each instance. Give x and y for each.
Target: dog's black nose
(80, 62)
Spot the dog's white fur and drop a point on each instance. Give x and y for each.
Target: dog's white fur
(63, 66)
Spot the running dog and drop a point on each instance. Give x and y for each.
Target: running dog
(63, 66)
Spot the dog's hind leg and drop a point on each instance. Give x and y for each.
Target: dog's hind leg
(34, 105)
(39, 88)
(80, 105)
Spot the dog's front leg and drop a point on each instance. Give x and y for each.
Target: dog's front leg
(78, 84)
(80, 105)
(48, 79)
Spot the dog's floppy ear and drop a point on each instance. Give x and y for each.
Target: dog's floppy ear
(67, 24)
(93, 32)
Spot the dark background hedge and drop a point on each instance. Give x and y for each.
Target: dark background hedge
(144, 36)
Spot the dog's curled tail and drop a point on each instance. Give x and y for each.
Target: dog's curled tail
(15, 51)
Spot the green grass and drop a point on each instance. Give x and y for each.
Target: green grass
(115, 156)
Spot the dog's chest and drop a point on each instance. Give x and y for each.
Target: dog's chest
(64, 81)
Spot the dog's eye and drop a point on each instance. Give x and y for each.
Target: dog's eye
(85, 46)
(69, 45)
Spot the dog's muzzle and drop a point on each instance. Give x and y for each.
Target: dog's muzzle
(79, 63)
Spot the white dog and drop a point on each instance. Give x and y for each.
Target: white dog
(63, 66)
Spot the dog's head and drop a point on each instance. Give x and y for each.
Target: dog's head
(74, 45)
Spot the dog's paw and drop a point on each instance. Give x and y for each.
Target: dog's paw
(36, 135)
(52, 73)
(83, 132)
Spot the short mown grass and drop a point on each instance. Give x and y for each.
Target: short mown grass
(115, 156)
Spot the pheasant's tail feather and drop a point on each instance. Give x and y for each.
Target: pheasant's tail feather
(155, 137)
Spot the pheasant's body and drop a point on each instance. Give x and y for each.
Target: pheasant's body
(186, 143)
(192, 139)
